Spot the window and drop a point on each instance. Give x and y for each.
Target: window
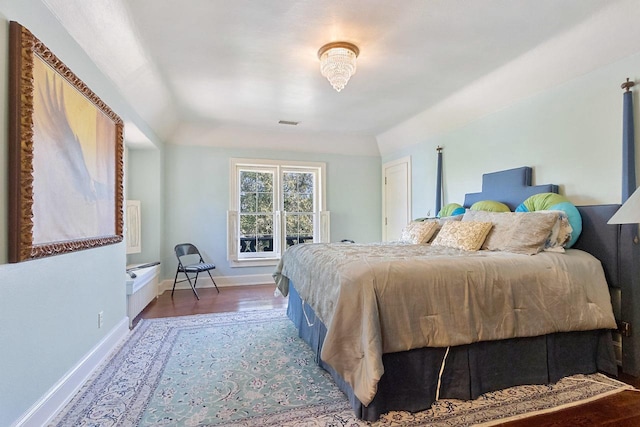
(256, 212)
(297, 194)
(274, 205)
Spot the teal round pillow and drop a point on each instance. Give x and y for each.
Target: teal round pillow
(555, 202)
(451, 209)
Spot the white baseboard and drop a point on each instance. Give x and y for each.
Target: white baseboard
(221, 281)
(46, 408)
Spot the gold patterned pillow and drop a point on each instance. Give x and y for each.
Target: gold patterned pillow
(419, 232)
(467, 236)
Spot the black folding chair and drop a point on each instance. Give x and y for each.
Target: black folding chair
(189, 262)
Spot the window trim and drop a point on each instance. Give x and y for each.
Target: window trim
(321, 226)
(276, 232)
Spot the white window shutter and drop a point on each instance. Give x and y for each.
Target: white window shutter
(133, 227)
(278, 234)
(325, 227)
(232, 235)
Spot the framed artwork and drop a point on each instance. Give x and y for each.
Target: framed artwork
(65, 157)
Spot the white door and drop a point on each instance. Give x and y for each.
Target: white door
(396, 197)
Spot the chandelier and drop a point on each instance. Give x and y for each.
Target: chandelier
(338, 63)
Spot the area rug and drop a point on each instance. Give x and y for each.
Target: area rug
(251, 369)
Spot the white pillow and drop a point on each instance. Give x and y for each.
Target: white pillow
(560, 233)
(517, 232)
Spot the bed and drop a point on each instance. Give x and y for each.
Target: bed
(398, 340)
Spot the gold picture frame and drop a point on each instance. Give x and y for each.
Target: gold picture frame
(65, 157)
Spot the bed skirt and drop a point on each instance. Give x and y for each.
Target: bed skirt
(410, 379)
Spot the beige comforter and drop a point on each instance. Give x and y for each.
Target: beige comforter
(385, 298)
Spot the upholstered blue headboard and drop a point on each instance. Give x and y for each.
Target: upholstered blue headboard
(602, 240)
(511, 187)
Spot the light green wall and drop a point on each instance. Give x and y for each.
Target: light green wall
(571, 136)
(197, 200)
(144, 183)
(49, 307)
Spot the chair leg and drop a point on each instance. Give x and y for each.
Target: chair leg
(193, 285)
(174, 282)
(214, 282)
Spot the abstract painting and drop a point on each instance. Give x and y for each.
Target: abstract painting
(65, 157)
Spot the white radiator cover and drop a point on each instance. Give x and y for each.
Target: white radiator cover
(141, 290)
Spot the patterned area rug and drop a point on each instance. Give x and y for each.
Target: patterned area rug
(251, 369)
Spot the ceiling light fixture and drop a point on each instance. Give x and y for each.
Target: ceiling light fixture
(338, 63)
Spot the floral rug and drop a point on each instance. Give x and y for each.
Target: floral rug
(251, 369)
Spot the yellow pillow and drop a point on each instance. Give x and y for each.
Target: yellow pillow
(467, 236)
(419, 232)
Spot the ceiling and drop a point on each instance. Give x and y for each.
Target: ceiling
(248, 64)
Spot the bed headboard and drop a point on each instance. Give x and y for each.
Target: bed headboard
(602, 240)
(511, 187)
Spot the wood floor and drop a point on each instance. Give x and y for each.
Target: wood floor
(236, 298)
(619, 410)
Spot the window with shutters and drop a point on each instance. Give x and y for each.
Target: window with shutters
(274, 205)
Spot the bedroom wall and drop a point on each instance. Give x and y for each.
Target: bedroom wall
(49, 307)
(197, 199)
(145, 183)
(571, 136)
